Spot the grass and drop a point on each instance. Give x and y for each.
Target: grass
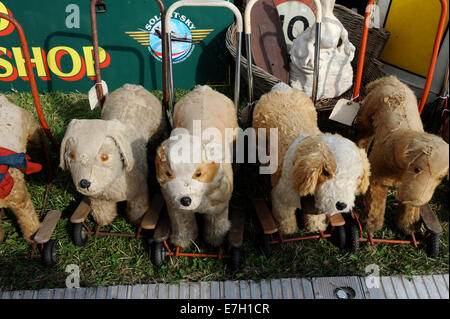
(112, 260)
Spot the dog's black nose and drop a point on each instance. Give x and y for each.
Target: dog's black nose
(185, 201)
(341, 205)
(84, 183)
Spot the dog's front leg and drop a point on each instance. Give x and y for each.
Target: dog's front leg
(103, 211)
(137, 207)
(283, 210)
(216, 227)
(407, 218)
(374, 207)
(184, 227)
(315, 223)
(20, 203)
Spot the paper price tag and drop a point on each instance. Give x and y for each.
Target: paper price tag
(92, 95)
(345, 112)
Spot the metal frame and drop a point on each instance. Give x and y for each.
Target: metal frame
(248, 45)
(423, 99)
(247, 22)
(99, 6)
(44, 129)
(170, 79)
(239, 28)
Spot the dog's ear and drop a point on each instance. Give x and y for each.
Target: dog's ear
(314, 163)
(118, 132)
(408, 147)
(62, 151)
(363, 180)
(164, 173)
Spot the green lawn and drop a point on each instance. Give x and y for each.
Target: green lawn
(111, 260)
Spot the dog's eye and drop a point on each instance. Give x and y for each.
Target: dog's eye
(169, 174)
(325, 172)
(72, 155)
(417, 170)
(104, 157)
(198, 174)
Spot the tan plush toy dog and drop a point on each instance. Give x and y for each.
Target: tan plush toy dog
(108, 158)
(329, 167)
(203, 184)
(18, 128)
(402, 155)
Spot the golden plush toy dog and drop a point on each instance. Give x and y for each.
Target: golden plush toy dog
(329, 167)
(18, 129)
(402, 155)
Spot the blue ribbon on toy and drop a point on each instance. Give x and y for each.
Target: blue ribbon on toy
(17, 160)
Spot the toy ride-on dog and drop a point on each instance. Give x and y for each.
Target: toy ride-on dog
(203, 185)
(18, 130)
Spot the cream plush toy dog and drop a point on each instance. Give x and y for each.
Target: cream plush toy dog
(18, 129)
(402, 155)
(329, 167)
(203, 185)
(108, 158)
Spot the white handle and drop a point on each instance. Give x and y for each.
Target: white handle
(318, 11)
(247, 16)
(204, 3)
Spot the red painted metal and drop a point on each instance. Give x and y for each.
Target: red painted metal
(177, 253)
(437, 43)
(98, 78)
(32, 80)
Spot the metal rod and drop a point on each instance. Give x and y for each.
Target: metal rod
(316, 63)
(237, 72)
(165, 54)
(95, 51)
(437, 43)
(248, 45)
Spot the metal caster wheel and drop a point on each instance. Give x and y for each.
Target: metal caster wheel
(80, 236)
(353, 237)
(265, 244)
(158, 253)
(339, 237)
(48, 253)
(235, 258)
(432, 245)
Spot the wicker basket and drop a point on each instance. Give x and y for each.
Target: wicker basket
(373, 69)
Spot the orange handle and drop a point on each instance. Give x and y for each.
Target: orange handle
(437, 42)
(32, 80)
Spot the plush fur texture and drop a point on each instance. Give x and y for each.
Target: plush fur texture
(108, 158)
(330, 167)
(19, 129)
(207, 183)
(402, 155)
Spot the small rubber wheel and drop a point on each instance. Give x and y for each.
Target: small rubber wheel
(265, 244)
(432, 245)
(353, 237)
(235, 258)
(48, 253)
(79, 234)
(339, 237)
(158, 253)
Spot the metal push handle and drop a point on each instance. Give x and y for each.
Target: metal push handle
(204, 3)
(248, 47)
(98, 78)
(31, 78)
(44, 129)
(362, 52)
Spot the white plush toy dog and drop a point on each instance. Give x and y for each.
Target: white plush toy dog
(329, 167)
(108, 158)
(197, 182)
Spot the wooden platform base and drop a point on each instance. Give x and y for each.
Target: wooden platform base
(430, 220)
(82, 211)
(47, 227)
